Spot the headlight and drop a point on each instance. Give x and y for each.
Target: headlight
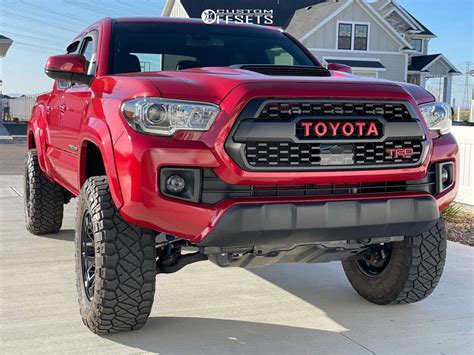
(164, 117)
(438, 116)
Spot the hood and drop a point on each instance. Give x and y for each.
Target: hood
(213, 84)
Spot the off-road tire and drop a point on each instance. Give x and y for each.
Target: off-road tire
(412, 273)
(43, 199)
(125, 264)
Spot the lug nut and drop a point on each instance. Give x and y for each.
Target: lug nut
(175, 184)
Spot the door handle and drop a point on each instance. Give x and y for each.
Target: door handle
(62, 108)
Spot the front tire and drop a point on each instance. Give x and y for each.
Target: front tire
(43, 199)
(400, 272)
(115, 263)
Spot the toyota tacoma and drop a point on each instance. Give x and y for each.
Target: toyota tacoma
(184, 141)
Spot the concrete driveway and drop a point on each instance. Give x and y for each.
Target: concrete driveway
(288, 309)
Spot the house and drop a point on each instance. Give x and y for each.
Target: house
(5, 44)
(378, 39)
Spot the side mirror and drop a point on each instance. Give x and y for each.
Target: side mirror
(68, 67)
(340, 67)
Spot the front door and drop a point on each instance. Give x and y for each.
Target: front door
(73, 109)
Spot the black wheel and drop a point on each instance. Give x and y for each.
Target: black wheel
(115, 263)
(43, 199)
(400, 272)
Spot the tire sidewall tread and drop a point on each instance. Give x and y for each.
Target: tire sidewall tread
(125, 264)
(412, 274)
(43, 199)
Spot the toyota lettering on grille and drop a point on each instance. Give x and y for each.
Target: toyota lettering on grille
(339, 129)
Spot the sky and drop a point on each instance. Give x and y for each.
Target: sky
(41, 28)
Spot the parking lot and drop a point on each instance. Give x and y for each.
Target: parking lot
(297, 309)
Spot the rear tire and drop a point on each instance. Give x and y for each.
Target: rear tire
(43, 198)
(115, 263)
(410, 272)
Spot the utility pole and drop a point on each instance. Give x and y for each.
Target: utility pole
(467, 87)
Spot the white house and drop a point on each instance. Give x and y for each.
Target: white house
(378, 39)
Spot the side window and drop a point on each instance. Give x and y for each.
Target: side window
(88, 53)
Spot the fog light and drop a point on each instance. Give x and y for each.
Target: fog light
(444, 175)
(175, 184)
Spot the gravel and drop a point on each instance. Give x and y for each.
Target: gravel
(461, 228)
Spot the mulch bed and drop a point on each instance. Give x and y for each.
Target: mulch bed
(461, 228)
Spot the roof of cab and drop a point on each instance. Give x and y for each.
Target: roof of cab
(187, 20)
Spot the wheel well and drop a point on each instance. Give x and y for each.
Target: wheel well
(93, 164)
(31, 140)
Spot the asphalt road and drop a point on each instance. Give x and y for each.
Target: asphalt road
(12, 157)
(203, 309)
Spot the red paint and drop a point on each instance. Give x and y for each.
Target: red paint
(133, 160)
(71, 63)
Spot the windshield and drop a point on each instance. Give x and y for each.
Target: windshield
(140, 47)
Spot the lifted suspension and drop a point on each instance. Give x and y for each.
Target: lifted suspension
(170, 254)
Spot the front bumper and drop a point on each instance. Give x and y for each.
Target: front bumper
(251, 225)
(140, 158)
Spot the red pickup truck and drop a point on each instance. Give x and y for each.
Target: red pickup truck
(231, 143)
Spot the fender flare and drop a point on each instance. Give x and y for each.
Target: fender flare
(37, 129)
(98, 133)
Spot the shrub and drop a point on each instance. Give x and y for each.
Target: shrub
(453, 212)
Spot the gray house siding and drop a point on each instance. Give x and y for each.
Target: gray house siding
(439, 68)
(395, 67)
(325, 37)
(381, 46)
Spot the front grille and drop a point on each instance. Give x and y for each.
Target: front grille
(287, 110)
(215, 190)
(289, 154)
(287, 135)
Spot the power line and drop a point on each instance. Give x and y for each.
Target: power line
(95, 8)
(29, 30)
(39, 46)
(13, 35)
(73, 17)
(28, 48)
(39, 21)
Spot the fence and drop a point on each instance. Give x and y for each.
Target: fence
(465, 137)
(20, 108)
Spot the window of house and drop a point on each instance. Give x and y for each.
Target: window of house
(361, 33)
(352, 36)
(344, 39)
(417, 44)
